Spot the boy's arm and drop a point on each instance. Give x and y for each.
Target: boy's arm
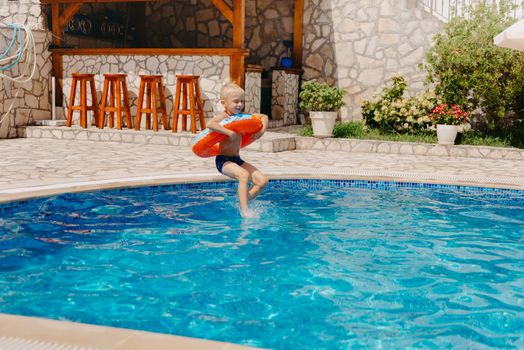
(214, 125)
(265, 121)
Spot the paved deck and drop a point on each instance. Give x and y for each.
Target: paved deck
(44, 166)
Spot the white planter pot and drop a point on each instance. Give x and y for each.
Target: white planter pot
(446, 134)
(323, 123)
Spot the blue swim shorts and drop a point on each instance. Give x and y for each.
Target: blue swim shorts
(220, 160)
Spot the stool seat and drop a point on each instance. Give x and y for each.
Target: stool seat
(82, 75)
(115, 85)
(83, 107)
(188, 92)
(152, 85)
(115, 75)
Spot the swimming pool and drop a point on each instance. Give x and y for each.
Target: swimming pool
(328, 265)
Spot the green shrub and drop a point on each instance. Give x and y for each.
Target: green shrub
(357, 130)
(469, 70)
(315, 96)
(351, 129)
(391, 111)
(306, 130)
(472, 137)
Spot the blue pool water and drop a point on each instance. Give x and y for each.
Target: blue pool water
(328, 265)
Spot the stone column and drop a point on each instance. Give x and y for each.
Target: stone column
(253, 88)
(284, 97)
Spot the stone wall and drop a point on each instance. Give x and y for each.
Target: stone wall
(21, 103)
(213, 71)
(358, 45)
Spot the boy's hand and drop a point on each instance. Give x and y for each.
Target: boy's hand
(258, 135)
(234, 136)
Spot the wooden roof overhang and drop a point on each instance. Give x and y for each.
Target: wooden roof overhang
(235, 15)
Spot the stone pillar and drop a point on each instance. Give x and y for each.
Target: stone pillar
(284, 97)
(253, 88)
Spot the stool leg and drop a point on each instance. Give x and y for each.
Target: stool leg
(154, 107)
(139, 105)
(163, 109)
(118, 106)
(94, 101)
(200, 107)
(192, 108)
(102, 120)
(148, 105)
(112, 104)
(127, 110)
(71, 103)
(83, 103)
(184, 106)
(176, 106)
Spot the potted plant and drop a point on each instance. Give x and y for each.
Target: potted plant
(323, 102)
(447, 119)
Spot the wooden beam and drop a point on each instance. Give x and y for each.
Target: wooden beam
(58, 36)
(50, 2)
(239, 29)
(58, 40)
(298, 29)
(239, 23)
(68, 13)
(224, 8)
(153, 51)
(58, 73)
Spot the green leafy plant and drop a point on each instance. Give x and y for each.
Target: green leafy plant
(358, 130)
(450, 115)
(350, 129)
(315, 96)
(390, 111)
(469, 70)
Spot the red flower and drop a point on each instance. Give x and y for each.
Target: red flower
(444, 114)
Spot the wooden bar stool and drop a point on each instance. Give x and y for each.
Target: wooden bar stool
(83, 79)
(188, 90)
(152, 84)
(115, 85)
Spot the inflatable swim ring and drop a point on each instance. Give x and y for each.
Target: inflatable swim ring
(206, 142)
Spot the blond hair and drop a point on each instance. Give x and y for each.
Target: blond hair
(229, 90)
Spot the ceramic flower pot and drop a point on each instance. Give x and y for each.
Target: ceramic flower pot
(323, 123)
(446, 134)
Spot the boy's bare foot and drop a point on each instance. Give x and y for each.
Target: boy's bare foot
(249, 214)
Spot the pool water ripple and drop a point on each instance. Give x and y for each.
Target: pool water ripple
(324, 267)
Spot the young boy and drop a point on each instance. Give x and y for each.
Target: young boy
(228, 161)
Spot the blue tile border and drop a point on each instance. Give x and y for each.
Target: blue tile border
(310, 183)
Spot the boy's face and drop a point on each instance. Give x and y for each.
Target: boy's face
(233, 104)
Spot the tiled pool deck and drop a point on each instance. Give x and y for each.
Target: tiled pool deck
(38, 166)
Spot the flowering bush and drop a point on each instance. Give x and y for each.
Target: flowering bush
(391, 111)
(315, 96)
(450, 115)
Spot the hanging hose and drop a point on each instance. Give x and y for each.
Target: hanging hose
(26, 48)
(19, 54)
(15, 29)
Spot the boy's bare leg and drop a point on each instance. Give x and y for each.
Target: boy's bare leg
(235, 171)
(259, 180)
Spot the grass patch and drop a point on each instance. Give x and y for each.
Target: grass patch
(357, 130)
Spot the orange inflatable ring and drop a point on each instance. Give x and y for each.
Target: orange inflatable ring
(206, 143)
